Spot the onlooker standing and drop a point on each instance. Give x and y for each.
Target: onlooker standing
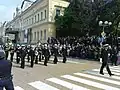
(114, 56)
(5, 73)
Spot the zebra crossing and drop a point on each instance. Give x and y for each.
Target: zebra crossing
(17, 88)
(85, 80)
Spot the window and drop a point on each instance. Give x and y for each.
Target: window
(32, 20)
(57, 12)
(34, 35)
(31, 36)
(38, 17)
(38, 36)
(35, 18)
(41, 34)
(44, 34)
(24, 23)
(45, 14)
(29, 21)
(41, 15)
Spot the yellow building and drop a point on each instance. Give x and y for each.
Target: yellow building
(36, 23)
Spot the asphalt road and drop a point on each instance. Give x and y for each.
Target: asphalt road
(76, 74)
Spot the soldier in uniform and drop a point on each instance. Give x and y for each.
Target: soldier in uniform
(6, 48)
(18, 52)
(39, 53)
(12, 53)
(46, 54)
(114, 56)
(55, 50)
(104, 55)
(49, 48)
(42, 48)
(23, 54)
(32, 55)
(64, 52)
(36, 55)
(28, 53)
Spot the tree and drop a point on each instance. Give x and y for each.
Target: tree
(63, 23)
(76, 18)
(111, 12)
(82, 16)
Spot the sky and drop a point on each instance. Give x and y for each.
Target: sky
(7, 8)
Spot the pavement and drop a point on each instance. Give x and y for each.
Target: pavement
(75, 74)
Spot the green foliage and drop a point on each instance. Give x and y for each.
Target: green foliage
(82, 16)
(111, 12)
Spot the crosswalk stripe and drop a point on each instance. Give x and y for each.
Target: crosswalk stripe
(114, 70)
(42, 86)
(66, 84)
(115, 66)
(98, 78)
(16, 88)
(105, 75)
(106, 71)
(88, 82)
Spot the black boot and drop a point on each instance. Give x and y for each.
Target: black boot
(111, 74)
(101, 73)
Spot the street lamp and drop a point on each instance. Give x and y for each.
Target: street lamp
(104, 24)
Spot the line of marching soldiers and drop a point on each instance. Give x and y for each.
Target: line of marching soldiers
(35, 54)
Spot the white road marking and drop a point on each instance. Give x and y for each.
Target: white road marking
(42, 86)
(16, 88)
(105, 71)
(112, 69)
(91, 83)
(116, 68)
(98, 78)
(105, 75)
(66, 84)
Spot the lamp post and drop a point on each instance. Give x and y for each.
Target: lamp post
(104, 24)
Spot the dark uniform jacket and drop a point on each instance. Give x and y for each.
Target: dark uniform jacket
(23, 53)
(5, 68)
(55, 50)
(46, 52)
(114, 54)
(18, 51)
(32, 53)
(104, 55)
(64, 51)
(12, 50)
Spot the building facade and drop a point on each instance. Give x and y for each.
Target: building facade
(36, 23)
